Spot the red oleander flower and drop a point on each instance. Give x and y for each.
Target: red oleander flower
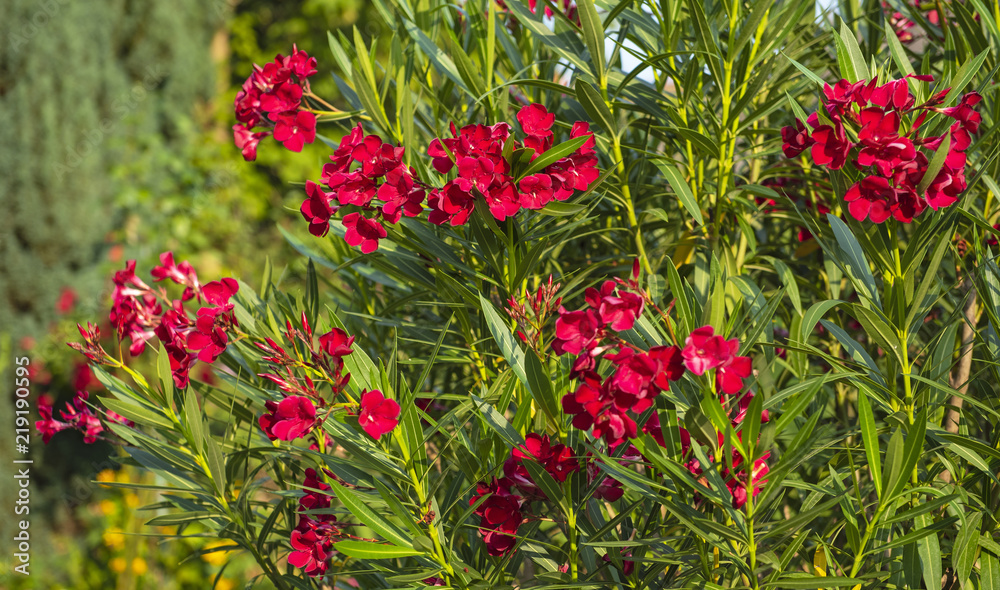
(336, 343)
(311, 552)
(632, 381)
(795, 140)
(80, 417)
(295, 129)
(620, 311)
(363, 232)
(316, 209)
(500, 516)
(871, 197)
(48, 426)
(292, 418)
(881, 146)
(703, 350)
(247, 141)
(843, 94)
(831, 146)
(576, 331)
(535, 191)
(737, 485)
(669, 365)
(378, 415)
(182, 274)
(556, 459)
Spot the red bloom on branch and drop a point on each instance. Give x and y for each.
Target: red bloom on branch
(831, 146)
(576, 331)
(795, 140)
(363, 232)
(295, 129)
(292, 418)
(703, 350)
(872, 197)
(378, 415)
(48, 426)
(500, 516)
(316, 209)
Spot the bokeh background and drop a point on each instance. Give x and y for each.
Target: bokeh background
(116, 144)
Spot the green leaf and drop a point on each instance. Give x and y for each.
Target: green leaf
(912, 451)
(593, 36)
(497, 422)
(855, 257)
(137, 413)
(893, 469)
(989, 572)
(442, 63)
(809, 74)
(541, 386)
(937, 161)
(848, 43)
(866, 420)
(898, 53)
(553, 155)
(788, 280)
(930, 553)
(216, 464)
(592, 102)
(963, 554)
(544, 481)
(681, 189)
(879, 331)
(367, 550)
(373, 520)
(961, 79)
(808, 582)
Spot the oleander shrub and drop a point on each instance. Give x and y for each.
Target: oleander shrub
(598, 295)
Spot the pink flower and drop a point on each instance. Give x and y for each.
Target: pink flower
(294, 129)
(669, 365)
(292, 418)
(363, 232)
(500, 516)
(378, 415)
(336, 343)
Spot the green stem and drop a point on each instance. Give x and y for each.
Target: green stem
(902, 330)
(573, 549)
(616, 147)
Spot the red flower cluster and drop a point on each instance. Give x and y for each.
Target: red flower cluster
(602, 405)
(271, 100)
(557, 460)
(887, 148)
(704, 351)
(504, 510)
(368, 173)
(476, 151)
(295, 416)
(77, 415)
(380, 175)
(312, 539)
(140, 312)
(500, 515)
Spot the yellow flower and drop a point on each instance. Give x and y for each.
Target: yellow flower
(107, 507)
(216, 557)
(114, 538)
(131, 500)
(139, 566)
(117, 564)
(106, 475)
(225, 584)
